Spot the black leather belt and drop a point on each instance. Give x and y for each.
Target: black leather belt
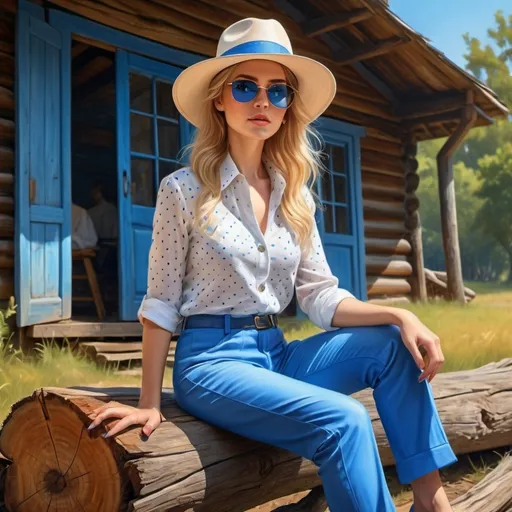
(222, 321)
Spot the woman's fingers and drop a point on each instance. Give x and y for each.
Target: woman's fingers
(127, 421)
(435, 358)
(112, 412)
(154, 420)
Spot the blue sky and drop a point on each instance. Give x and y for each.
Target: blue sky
(444, 21)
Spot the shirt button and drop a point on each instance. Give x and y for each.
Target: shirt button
(261, 248)
(261, 287)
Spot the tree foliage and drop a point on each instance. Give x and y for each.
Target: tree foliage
(482, 172)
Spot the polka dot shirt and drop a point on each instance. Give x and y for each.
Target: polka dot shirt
(233, 268)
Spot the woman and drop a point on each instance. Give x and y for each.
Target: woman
(228, 275)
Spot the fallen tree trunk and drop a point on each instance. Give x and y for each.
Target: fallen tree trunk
(187, 464)
(491, 494)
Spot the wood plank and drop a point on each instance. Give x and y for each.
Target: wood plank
(387, 266)
(387, 246)
(6, 159)
(331, 22)
(411, 108)
(112, 357)
(75, 329)
(387, 286)
(118, 346)
(369, 51)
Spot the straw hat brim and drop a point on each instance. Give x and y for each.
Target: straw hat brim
(317, 85)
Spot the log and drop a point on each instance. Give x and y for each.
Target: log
(188, 464)
(483, 496)
(377, 285)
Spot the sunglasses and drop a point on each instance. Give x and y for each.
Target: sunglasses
(280, 95)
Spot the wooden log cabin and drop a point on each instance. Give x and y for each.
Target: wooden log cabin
(85, 95)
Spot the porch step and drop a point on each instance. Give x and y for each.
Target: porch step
(73, 329)
(118, 351)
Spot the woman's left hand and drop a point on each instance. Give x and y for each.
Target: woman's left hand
(414, 335)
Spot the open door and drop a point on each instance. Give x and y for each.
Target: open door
(150, 133)
(42, 197)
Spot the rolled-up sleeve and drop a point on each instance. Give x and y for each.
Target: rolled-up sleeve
(316, 286)
(167, 257)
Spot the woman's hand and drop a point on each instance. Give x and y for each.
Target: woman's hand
(149, 417)
(415, 335)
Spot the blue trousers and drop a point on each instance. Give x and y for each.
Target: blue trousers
(296, 396)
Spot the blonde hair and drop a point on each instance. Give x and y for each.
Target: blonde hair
(291, 149)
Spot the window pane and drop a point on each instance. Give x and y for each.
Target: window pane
(140, 93)
(166, 168)
(141, 134)
(338, 158)
(168, 139)
(164, 103)
(143, 185)
(342, 222)
(328, 222)
(326, 186)
(340, 191)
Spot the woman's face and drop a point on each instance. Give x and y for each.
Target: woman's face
(258, 118)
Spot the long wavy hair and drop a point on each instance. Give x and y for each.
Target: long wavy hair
(295, 149)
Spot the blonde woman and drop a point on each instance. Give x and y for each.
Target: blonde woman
(234, 234)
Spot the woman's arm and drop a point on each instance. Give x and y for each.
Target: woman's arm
(351, 311)
(155, 347)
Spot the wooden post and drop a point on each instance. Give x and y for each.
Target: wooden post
(448, 202)
(412, 221)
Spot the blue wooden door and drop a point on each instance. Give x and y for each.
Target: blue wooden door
(43, 192)
(150, 133)
(340, 223)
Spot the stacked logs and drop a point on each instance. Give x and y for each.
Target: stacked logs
(7, 129)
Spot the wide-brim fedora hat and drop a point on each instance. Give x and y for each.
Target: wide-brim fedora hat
(247, 39)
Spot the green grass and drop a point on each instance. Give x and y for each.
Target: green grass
(53, 365)
(471, 336)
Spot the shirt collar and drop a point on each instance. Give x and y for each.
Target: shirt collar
(229, 171)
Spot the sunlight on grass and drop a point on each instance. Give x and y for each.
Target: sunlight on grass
(471, 335)
(53, 365)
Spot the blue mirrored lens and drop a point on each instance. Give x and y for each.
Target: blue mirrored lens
(280, 95)
(244, 90)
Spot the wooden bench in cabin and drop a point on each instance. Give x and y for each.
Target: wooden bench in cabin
(86, 256)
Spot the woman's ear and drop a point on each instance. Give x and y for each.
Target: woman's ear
(218, 104)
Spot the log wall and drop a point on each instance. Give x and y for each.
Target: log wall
(182, 24)
(7, 129)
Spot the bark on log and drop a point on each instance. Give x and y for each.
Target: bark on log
(188, 464)
(492, 494)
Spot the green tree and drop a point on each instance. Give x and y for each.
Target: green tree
(495, 215)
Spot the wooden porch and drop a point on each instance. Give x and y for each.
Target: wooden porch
(107, 343)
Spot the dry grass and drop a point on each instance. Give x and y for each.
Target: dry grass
(471, 335)
(52, 365)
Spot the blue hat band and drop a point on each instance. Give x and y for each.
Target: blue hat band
(257, 47)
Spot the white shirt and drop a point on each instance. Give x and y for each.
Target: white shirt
(83, 234)
(234, 269)
(104, 217)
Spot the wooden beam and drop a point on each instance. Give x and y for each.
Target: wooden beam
(450, 115)
(298, 15)
(448, 202)
(330, 22)
(412, 108)
(369, 50)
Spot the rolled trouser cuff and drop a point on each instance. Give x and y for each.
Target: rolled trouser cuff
(425, 462)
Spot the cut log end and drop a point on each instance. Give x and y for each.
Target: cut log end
(56, 463)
